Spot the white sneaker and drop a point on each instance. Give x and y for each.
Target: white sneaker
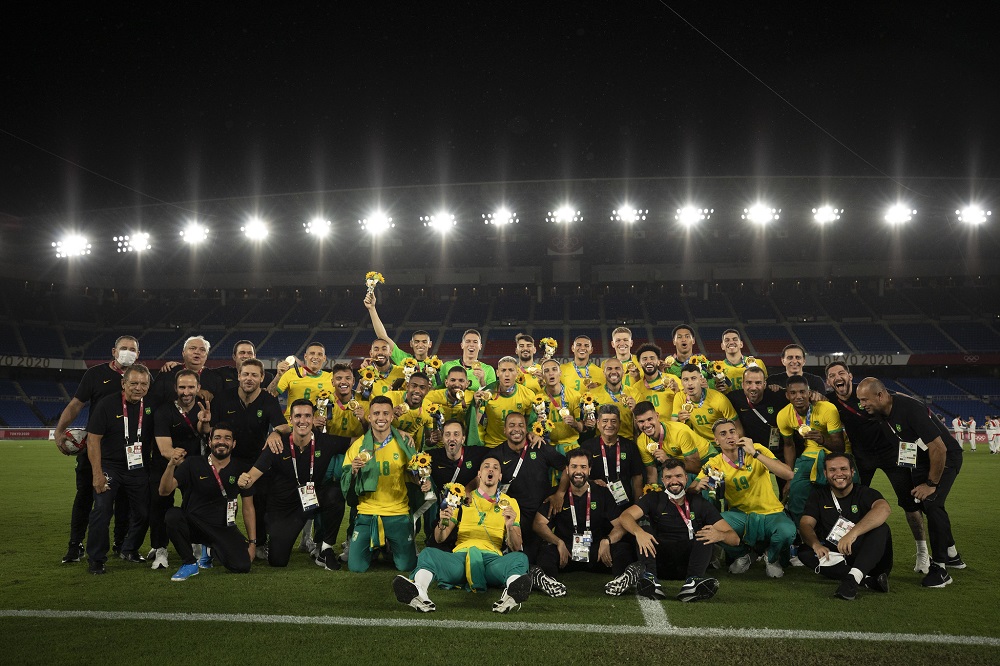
(773, 569)
(513, 595)
(923, 564)
(159, 557)
(741, 565)
(307, 545)
(347, 548)
(795, 561)
(407, 593)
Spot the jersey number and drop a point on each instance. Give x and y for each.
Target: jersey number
(385, 468)
(740, 483)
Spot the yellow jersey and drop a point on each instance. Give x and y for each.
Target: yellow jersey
(446, 402)
(822, 416)
(341, 421)
(383, 382)
(496, 410)
(712, 407)
(660, 392)
(562, 433)
(748, 486)
(578, 378)
(528, 380)
(734, 372)
(679, 442)
(481, 524)
(299, 386)
(626, 425)
(413, 421)
(391, 497)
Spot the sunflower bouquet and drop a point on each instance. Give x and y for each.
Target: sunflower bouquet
(541, 407)
(322, 403)
(589, 405)
(652, 488)
(436, 415)
(543, 428)
(432, 365)
(366, 383)
(372, 279)
(409, 367)
(420, 466)
(549, 346)
(454, 495)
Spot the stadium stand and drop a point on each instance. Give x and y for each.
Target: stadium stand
(923, 338)
(283, 343)
(766, 338)
(931, 386)
(972, 336)
(820, 338)
(18, 414)
(551, 308)
(512, 308)
(871, 338)
(623, 309)
(979, 386)
(9, 340)
(844, 305)
(753, 308)
(714, 308)
(794, 304)
(44, 341)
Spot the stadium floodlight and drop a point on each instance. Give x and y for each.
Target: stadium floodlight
(825, 214)
(500, 217)
(255, 229)
(899, 214)
(137, 242)
(195, 233)
(440, 221)
(973, 215)
(318, 227)
(73, 245)
(628, 214)
(564, 215)
(690, 215)
(376, 223)
(760, 213)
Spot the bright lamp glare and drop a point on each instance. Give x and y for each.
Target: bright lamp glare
(500, 217)
(825, 214)
(317, 227)
(195, 233)
(899, 214)
(690, 216)
(440, 222)
(564, 215)
(255, 229)
(628, 214)
(137, 242)
(973, 215)
(377, 223)
(73, 245)
(760, 213)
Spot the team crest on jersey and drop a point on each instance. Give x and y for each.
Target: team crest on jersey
(319, 453)
(692, 516)
(260, 413)
(395, 456)
(533, 455)
(899, 428)
(770, 410)
(711, 411)
(149, 410)
(623, 455)
(468, 464)
(232, 479)
(854, 508)
(593, 506)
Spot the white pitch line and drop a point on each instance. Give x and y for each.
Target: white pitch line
(654, 615)
(688, 632)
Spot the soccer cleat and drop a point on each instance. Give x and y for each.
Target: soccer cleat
(344, 553)
(698, 589)
(185, 572)
(132, 556)
(773, 569)
(848, 589)
(328, 560)
(547, 584)
(923, 564)
(73, 554)
(97, 568)
(955, 562)
(261, 553)
(407, 593)
(513, 595)
(159, 559)
(938, 576)
(306, 544)
(650, 588)
(626, 581)
(205, 561)
(878, 583)
(116, 549)
(741, 564)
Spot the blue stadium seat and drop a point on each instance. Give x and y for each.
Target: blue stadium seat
(766, 338)
(8, 341)
(334, 340)
(794, 304)
(965, 408)
(714, 308)
(41, 388)
(871, 338)
(927, 386)
(309, 312)
(153, 344)
(429, 311)
(923, 338)
(978, 385)
(512, 308)
(268, 312)
(842, 305)
(623, 309)
(750, 307)
(17, 414)
(550, 309)
(283, 343)
(972, 336)
(42, 341)
(665, 308)
(820, 338)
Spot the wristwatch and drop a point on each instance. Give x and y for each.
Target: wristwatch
(253, 542)
(931, 484)
(755, 453)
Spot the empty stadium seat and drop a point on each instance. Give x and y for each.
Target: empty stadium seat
(927, 386)
(512, 308)
(972, 336)
(551, 308)
(623, 309)
(978, 385)
(43, 341)
(820, 338)
(17, 414)
(766, 339)
(924, 337)
(871, 338)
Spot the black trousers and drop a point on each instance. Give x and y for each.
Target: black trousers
(900, 478)
(83, 503)
(158, 508)
(284, 526)
(678, 560)
(228, 543)
(938, 523)
(871, 555)
(135, 484)
(622, 554)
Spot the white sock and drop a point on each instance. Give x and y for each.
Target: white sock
(952, 551)
(857, 575)
(423, 579)
(921, 548)
(511, 579)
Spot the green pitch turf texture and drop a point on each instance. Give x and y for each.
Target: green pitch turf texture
(38, 486)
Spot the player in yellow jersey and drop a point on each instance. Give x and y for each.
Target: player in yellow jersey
(621, 342)
(562, 406)
(504, 397)
(454, 399)
(408, 408)
(652, 384)
(658, 440)
(346, 414)
(744, 468)
(699, 407)
(375, 480)
(531, 372)
(735, 362)
(489, 521)
(580, 374)
(817, 426)
(386, 374)
(614, 393)
(420, 341)
(305, 382)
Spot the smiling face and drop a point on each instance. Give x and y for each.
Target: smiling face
(416, 389)
(608, 424)
(798, 395)
(380, 353)
(579, 471)
(674, 479)
(622, 343)
(195, 353)
(650, 363)
(613, 372)
(420, 343)
(582, 348)
(302, 420)
(471, 345)
(222, 443)
(841, 379)
(526, 351)
(839, 473)
(135, 385)
(243, 352)
(315, 358)
(753, 385)
(457, 380)
(343, 382)
(250, 378)
(380, 417)
(793, 359)
(515, 429)
(187, 389)
(732, 345)
(648, 422)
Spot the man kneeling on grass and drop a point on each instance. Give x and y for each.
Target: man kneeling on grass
(488, 520)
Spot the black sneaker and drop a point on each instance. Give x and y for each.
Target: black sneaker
(328, 560)
(73, 554)
(649, 588)
(625, 582)
(547, 584)
(97, 568)
(116, 549)
(878, 583)
(698, 589)
(938, 577)
(955, 562)
(848, 589)
(132, 556)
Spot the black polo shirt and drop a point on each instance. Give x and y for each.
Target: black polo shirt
(665, 521)
(99, 381)
(182, 429)
(870, 441)
(443, 468)
(758, 419)
(229, 374)
(202, 497)
(624, 454)
(816, 383)
(107, 420)
(533, 482)
(603, 509)
(251, 422)
(910, 420)
(163, 389)
(821, 507)
(283, 493)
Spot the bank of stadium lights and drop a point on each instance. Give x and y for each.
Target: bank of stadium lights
(690, 216)
(500, 217)
(255, 229)
(73, 245)
(628, 214)
(318, 227)
(137, 242)
(195, 233)
(899, 214)
(440, 222)
(564, 215)
(973, 215)
(827, 214)
(376, 223)
(760, 213)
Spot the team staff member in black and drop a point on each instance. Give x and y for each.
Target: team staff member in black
(934, 459)
(299, 489)
(99, 381)
(584, 536)
(615, 462)
(526, 475)
(874, 449)
(194, 355)
(243, 350)
(844, 532)
(684, 527)
(207, 514)
(758, 409)
(119, 448)
(452, 462)
(793, 357)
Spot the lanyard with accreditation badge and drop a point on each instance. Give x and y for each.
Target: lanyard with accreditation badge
(307, 492)
(230, 504)
(133, 452)
(616, 487)
(581, 542)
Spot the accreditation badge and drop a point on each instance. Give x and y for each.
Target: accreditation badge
(231, 513)
(504, 487)
(774, 441)
(840, 528)
(133, 455)
(907, 456)
(581, 547)
(307, 495)
(618, 492)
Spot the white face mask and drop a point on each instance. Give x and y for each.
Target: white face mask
(126, 357)
(675, 496)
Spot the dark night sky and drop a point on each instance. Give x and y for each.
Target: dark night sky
(187, 105)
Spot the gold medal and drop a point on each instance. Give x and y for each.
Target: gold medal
(503, 502)
(652, 447)
(805, 429)
(353, 404)
(365, 457)
(688, 407)
(564, 413)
